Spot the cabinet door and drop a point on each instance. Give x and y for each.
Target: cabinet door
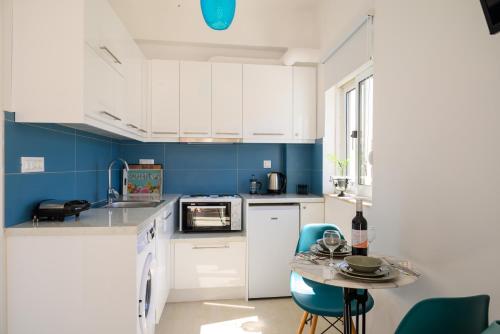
(164, 226)
(196, 99)
(133, 95)
(304, 103)
(105, 33)
(103, 89)
(227, 100)
(312, 213)
(165, 98)
(267, 102)
(209, 264)
(272, 233)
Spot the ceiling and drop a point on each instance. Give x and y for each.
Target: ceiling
(260, 29)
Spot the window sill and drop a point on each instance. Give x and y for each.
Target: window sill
(351, 198)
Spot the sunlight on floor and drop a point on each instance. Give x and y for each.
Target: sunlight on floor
(237, 326)
(237, 316)
(229, 305)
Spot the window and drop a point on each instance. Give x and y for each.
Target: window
(357, 113)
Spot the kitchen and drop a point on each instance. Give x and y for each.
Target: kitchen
(243, 139)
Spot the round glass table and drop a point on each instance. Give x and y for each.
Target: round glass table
(317, 270)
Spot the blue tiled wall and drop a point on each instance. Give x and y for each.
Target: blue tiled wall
(75, 166)
(224, 168)
(317, 167)
(208, 168)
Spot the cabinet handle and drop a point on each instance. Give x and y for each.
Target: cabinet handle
(194, 133)
(211, 247)
(110, 115)
(142, 130)
(168, 216)
(165, 132)
(115, 59)
(132, 126)
(274, 218)
(268, 134)
(228, 133)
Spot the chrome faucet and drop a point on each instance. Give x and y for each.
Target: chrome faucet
(112, 193)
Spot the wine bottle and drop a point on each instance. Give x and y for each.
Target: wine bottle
(359, 234)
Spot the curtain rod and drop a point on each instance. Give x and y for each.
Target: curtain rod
(367, 18)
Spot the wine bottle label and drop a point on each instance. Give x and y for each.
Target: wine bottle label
(360, 238)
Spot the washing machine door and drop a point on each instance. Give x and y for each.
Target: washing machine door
(146, 302)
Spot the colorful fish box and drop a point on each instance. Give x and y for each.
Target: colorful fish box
(143, 181)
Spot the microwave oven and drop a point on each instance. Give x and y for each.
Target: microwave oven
(210, 213)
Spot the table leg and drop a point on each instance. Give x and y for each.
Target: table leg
(363, 306)
(347, 316)
(357, 316)
(349, 296)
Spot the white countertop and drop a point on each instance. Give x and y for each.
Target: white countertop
(95, 221)
(281, 198)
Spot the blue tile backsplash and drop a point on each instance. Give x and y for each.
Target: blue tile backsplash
(76, 165)
(208, 168)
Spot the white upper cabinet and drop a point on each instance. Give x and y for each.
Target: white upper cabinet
(227, 100)
(84, 74)
(304, 103)
(134, 93)
(164, 99)
(196, 99)
(103, 90)
(267, 103)
(106, 34)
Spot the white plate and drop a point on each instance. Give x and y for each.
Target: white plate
(390, 275)
(316, 249)
(382, 271)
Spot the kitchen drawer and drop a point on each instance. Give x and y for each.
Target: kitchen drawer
(209, 264)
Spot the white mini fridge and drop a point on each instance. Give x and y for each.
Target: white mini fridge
(272, 234)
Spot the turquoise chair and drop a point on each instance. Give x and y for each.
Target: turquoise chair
(316, 299)
(467, 315)
(493, 329)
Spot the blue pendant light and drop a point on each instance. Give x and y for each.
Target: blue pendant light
(218, 14)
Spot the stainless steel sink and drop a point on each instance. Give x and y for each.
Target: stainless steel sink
(133, 204)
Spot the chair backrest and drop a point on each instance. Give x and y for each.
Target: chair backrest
(312, 232)
(466, 315)
(493, 329)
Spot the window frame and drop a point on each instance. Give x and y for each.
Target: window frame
(354, 83)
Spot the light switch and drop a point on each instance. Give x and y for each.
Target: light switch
(267, 164)
(32, 164)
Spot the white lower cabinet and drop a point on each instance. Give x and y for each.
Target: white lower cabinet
(312, 213)
(206, 263)
(165, 225)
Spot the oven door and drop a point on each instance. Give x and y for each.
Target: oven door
(206, 216)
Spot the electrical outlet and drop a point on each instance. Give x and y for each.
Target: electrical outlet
(267, 164)
(32, 164)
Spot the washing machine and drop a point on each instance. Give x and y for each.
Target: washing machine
(145, 280)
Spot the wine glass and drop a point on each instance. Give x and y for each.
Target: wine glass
(372, 234)
(331, 239)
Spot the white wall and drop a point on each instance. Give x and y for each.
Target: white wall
(437, 129)
(275, 23)
(3, 311)
(337, 17)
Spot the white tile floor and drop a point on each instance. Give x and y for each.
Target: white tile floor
(266, 316)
